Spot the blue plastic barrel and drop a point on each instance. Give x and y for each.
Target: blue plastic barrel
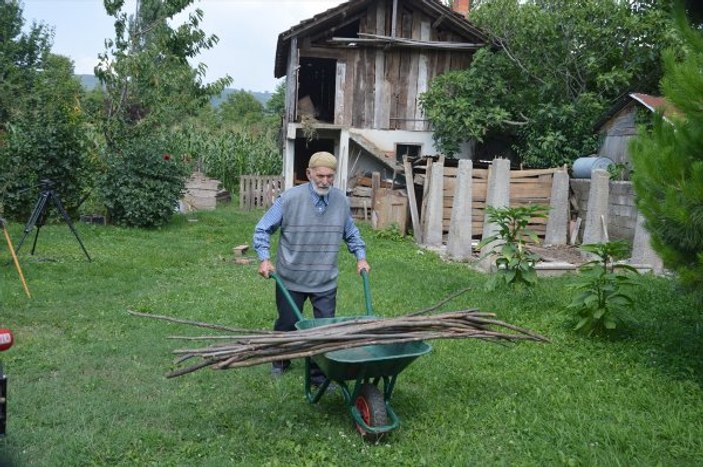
(583, 167)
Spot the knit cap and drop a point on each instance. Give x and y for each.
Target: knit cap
(323, 159)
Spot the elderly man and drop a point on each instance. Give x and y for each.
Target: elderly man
(314, 219)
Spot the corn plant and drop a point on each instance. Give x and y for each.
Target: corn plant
(515, 262)
(603, 287)
(228, 154)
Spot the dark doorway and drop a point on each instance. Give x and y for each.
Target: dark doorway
(316, 88)
(412, 151)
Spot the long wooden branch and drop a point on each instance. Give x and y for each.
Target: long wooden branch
(250, 347)
(440, 303)
(171, 319)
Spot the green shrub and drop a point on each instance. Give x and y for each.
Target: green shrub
(391, 232)
(514, 261)
(142, 183)
(603, 284)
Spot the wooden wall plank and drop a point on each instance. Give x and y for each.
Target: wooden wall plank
(340, 87)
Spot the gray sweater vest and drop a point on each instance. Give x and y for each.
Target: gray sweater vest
(309, 244)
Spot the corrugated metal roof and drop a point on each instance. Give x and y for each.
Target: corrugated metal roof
(652, 103)
(326, 19)
(655, 103)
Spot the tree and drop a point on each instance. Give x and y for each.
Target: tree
(276, 105)
(241, 108)
(46, 141)
(145, 70)
(150, 90)
(21, 57)
(41, 121)
(668, 163)
(558, 66)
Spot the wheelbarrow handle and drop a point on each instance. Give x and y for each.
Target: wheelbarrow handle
(299, 314)
(367, 292)
(286, 294)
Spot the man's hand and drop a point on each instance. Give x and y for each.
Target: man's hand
(266, 268)
(362, 264)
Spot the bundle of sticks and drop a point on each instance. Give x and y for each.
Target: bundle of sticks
(243, 348)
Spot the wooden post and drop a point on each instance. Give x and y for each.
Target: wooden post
(410, 186)
(425, 191)
(375, 187)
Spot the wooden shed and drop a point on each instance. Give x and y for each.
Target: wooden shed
(619, 124)
(354, 75)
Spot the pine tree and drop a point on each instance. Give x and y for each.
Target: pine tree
(668, 163)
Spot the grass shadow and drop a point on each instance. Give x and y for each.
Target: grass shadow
(672, 343)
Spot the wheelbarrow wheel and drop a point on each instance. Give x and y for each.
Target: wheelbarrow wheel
(372, 409)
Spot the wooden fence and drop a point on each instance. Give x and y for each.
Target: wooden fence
(526, 187)
(259, 191)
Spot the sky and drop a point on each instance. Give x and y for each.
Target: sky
(248, 31)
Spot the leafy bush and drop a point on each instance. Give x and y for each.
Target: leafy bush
(392, 233)
(514, 261)
(142, 183)
(618, 171)
(603, 286)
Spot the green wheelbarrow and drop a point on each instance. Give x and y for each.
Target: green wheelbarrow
(359, 371)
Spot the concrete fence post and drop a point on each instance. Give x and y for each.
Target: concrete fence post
(435, 207)
(497, 196)
(595, 230)
(558, 220)
(642, 251)
(460, 233)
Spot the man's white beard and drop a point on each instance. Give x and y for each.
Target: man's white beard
(321, 191)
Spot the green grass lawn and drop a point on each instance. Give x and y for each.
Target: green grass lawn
(87, 385)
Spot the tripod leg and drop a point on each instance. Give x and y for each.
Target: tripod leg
(67, 218)
(34, 243)
(38, 209)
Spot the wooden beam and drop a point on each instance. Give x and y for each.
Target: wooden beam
(410, 187)
(386, 41)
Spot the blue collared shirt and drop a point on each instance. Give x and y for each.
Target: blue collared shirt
(271, 221)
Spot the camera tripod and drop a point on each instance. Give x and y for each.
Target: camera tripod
(36, 219)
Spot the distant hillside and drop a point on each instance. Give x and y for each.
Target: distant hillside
(91, 82)
(262, 97)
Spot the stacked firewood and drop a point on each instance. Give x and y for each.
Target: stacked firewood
(242, 348)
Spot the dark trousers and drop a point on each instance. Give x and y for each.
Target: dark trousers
(323, 306)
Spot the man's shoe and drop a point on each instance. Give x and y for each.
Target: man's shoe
(277, 371)
(318, 380)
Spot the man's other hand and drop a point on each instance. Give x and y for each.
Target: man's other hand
(362, 264)
(266, 268)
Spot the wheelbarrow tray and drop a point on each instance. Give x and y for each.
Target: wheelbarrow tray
(368, 361)
(368, 366)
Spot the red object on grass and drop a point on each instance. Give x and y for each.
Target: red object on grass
(167, 157)
(6, 339)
